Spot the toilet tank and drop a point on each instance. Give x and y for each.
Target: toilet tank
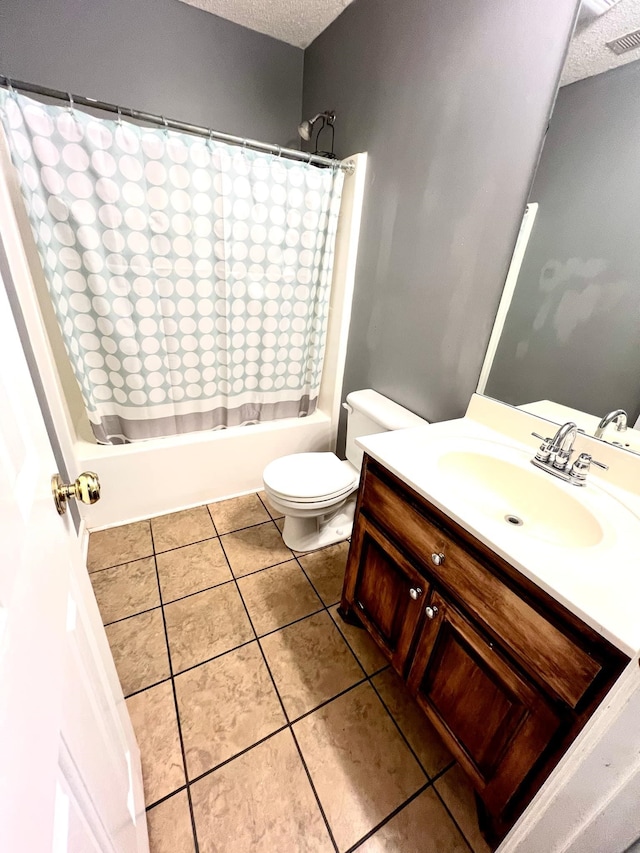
(370, 413)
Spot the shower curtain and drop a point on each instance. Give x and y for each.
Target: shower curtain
(190, 278)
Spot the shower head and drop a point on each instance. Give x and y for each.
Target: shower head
(305, 128)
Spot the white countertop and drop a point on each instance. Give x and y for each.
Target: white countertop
(599, 583)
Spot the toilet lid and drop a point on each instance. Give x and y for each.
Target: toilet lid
(309, 475)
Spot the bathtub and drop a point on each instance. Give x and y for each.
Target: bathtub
(168, 474)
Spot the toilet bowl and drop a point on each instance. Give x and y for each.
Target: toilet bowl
(316, 492)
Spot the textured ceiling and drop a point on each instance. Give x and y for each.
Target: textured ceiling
(292, 21)
(588, 52)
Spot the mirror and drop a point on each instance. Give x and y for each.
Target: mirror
(566, 342)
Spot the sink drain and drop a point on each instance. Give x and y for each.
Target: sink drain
(514, 519)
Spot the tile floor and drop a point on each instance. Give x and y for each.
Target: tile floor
(265, 723)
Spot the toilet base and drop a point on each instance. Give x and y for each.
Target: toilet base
(311, 533)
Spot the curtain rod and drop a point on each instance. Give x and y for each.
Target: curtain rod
(347, 166)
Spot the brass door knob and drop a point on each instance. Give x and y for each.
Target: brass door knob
(86, 488)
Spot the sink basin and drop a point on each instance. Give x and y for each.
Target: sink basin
(518, 495)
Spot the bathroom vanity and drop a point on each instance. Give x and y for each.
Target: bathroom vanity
(503, 667)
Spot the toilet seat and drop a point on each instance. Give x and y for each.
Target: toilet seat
(310, 477)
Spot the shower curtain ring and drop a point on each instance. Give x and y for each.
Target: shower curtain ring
(120, 116)
(12, 91)
(166, 125)
(70, 96)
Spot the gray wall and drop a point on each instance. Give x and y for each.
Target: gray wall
(161, 56)
(451, 99)
(572, 334)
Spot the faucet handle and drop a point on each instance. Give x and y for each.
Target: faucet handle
(561, 459)
(599, 464)
(544, 451)
(581, 466)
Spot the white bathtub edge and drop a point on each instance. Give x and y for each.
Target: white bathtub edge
(143, 480)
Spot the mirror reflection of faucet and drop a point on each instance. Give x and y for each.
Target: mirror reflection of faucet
(617, 417)
(554, 456)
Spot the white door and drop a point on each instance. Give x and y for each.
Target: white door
(70, 775)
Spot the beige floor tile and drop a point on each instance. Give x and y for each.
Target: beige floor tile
(255, 548)
(237, 513)
(225, 706)
(456, 791)
(126, 590)
(192, 568)
(260, 802)
(169, 825)
(310, 663)
(325, 569)
(424, 739)
(364, 648)
(139, 649)
(181, 528)
(360, 765)
(206, 624)
(119, 545)
(272, 512)
(277, 596)
(423, 825)
(279, 524)
(153, 715)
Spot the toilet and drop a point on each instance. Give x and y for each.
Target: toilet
(316, 492)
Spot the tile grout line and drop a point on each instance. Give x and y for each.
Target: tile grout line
(448, 810)
(428, 784)
(284, 710)
(118, 565)
(149, 687)
(165, 798)
(315, 793)
(215, 657)
(242, 752)
(175, 703)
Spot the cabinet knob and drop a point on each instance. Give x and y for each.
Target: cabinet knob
(431, 610)
(437, 559)
(415, 593)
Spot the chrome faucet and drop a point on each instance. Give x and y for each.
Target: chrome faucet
(554, 456)
(618, 416)
(562, 445)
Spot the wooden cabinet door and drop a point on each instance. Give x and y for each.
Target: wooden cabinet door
(385, 590)
(495, 722)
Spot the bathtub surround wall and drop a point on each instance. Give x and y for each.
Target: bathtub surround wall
(451, 99)
(160, 56)
(577, 300)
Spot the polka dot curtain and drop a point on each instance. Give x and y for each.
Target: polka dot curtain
(190, 278)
